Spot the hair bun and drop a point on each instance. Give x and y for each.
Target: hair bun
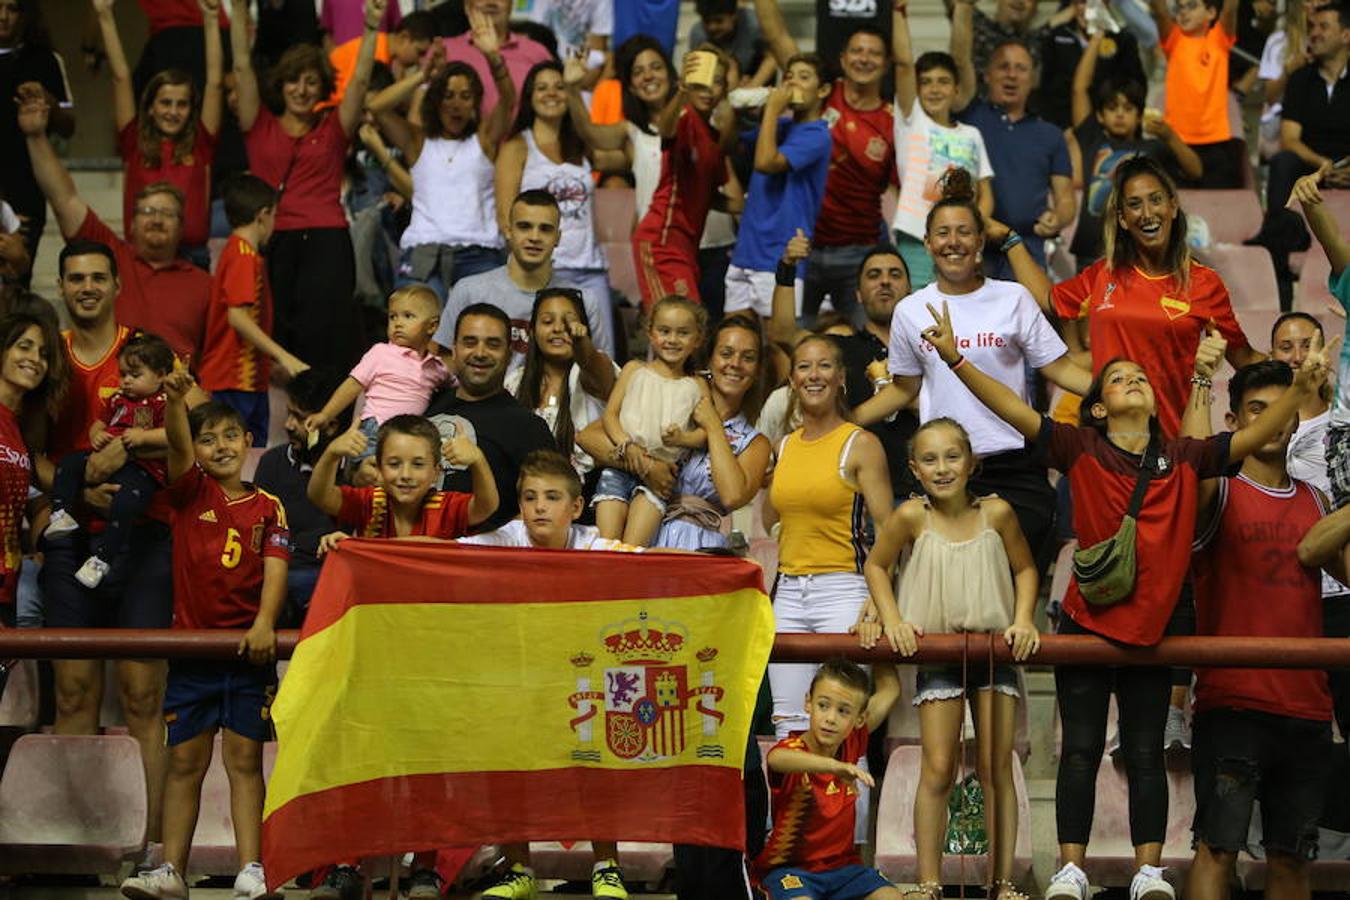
(958, 185)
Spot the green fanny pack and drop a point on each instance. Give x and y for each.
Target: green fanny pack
(1105, 571)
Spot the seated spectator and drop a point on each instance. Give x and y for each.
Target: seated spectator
(172, 135)
(160, 291)
(1110, 127)
(284, 471)
(1063, 46)
(1197, 44)
(520, 53)
(734, 29)
(130, 415)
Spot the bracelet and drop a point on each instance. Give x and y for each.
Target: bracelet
(880, 382)
(960, 361)
(621, 450)
(786, 274)
(1011, 241)
(1203, 381)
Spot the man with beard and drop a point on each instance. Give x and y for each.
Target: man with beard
(862, 159)
(882, 282)
(481, 408)
(161, 292)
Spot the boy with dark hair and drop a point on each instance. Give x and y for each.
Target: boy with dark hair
(239, 350)
(230, 549)
(734, 30)
(813, 779)
(1260, 735)
(133, 415)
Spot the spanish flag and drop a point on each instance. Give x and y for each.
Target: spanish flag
(445, 695)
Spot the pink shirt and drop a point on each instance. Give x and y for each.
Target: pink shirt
(520, 53)
(398, 380)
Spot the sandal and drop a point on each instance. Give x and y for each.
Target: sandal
(925, 890)
(1002, 889)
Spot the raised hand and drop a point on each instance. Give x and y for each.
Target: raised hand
(941, 335)
(485, 34)
(210, 10)
(1317, 365)
(349, 443)
(574, 70)
(798, 248)
(1209, 355)
(461, 452)
(34, 109)
(177, 384)
(1306, 188)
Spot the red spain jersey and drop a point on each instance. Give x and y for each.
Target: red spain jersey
(219, 546)
(86, 398)
(1248, 582)
(1151, 321)
(122, 412)
(365, 512)
(693, 167)
(862, 164)
(16, 473)
(813, 814)
(228, 362)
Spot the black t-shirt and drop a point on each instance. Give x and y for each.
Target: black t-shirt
(288, 481)
(836, 20)
(506, 432)
(1326, 122)
(17, 183)
(1101, 155)
(860, 350)
(1061, 48)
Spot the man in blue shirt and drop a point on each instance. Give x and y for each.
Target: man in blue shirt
(792, 158)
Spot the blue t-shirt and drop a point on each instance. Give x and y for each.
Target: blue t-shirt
(1025, 154)
(777, 205)
(656, 18)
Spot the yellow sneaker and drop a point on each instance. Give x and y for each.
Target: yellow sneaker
(607, 881)
(517, 883)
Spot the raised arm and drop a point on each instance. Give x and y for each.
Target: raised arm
(736, 478)
(774, 31)
(1025, 269)
(48, 170)
(1228, 17)
(962, 48)
(354, 100)
(1321, 221)
(1162, 17)
(1308, 381)
(902, 48)
(597, 137)
(1081, 99)
(124, 97)
(994, 394)
(399, 178)
(246, 80)
(323, 490)
(213, 98)
(181, 456)
(782, 328)
(497, 122)
(509, 171)
(1187, 159)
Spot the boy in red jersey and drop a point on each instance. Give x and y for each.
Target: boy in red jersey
(238, 353)
(230, 552)
(1260, 734)
(812, 778)
(406, 503)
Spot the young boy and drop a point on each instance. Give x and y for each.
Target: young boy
(1197, 82)
(230, 550)
(238, 352)
(398, 377)
(734, 29)
(792, 158)
(550, 503)
(813, 777)
(133, 415)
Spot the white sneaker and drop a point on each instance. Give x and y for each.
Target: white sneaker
(1177, 732)
(162, 883)
(1148, 884)
(1069, 883)
(62, 523)
(92, 573)
(251, 883)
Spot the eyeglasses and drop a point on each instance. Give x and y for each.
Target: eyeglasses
(157, 212)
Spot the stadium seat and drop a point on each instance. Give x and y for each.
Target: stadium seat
(615, 215)
(72, 804)
(623, 276)
(641, 862)
(19, 703)
(213, 847)
(896, 855)
(1312, 295)
(1247, 273)
(1232, 215)
(1110, 853)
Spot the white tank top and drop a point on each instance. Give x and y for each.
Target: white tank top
(646, 166)
(454, 201)
(574, 189)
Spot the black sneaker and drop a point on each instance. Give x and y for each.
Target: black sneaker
(425, 884)
(342, 883)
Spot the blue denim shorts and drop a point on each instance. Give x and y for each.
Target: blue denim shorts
(944, 682)
(616, 484)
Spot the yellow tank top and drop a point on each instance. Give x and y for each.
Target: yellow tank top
(821, 512)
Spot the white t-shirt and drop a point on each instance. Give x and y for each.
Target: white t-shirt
(924, 150)
(1306, 460)
(571, 20)
(582, 537)
(998, 328)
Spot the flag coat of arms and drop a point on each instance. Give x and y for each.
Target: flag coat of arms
(447, 695)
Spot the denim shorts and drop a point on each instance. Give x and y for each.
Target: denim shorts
(944, 682)
(616, 484)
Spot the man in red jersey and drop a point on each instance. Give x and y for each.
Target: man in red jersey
(1259, 734)
(862, 163)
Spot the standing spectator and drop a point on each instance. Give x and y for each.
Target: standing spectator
(1033, 192)
(546, 152)
(581, 27)
(301, 153)
(734, 29)
(1197, 83)
(451, 149)
(28, 67)
(1011, 21)
(341, 21)
(521, 53)
(402, 50)
(172, 136)
(862, 134)
(1061, 49)
(792, 160)
(532, 233)
(481, 408)
(161, 292)
(175, 41)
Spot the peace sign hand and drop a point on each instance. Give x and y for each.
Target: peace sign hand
(941, 335)
(1316, 367)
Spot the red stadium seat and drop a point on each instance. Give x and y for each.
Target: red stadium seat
(72, 804)
(1312, 295)
(213, 847)
(896, 856)
(1232, 215)
(1248, 274)
(1110, 853)
(615, 215)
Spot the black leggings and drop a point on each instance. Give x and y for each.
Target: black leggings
(313, 275)
(1084, 692)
